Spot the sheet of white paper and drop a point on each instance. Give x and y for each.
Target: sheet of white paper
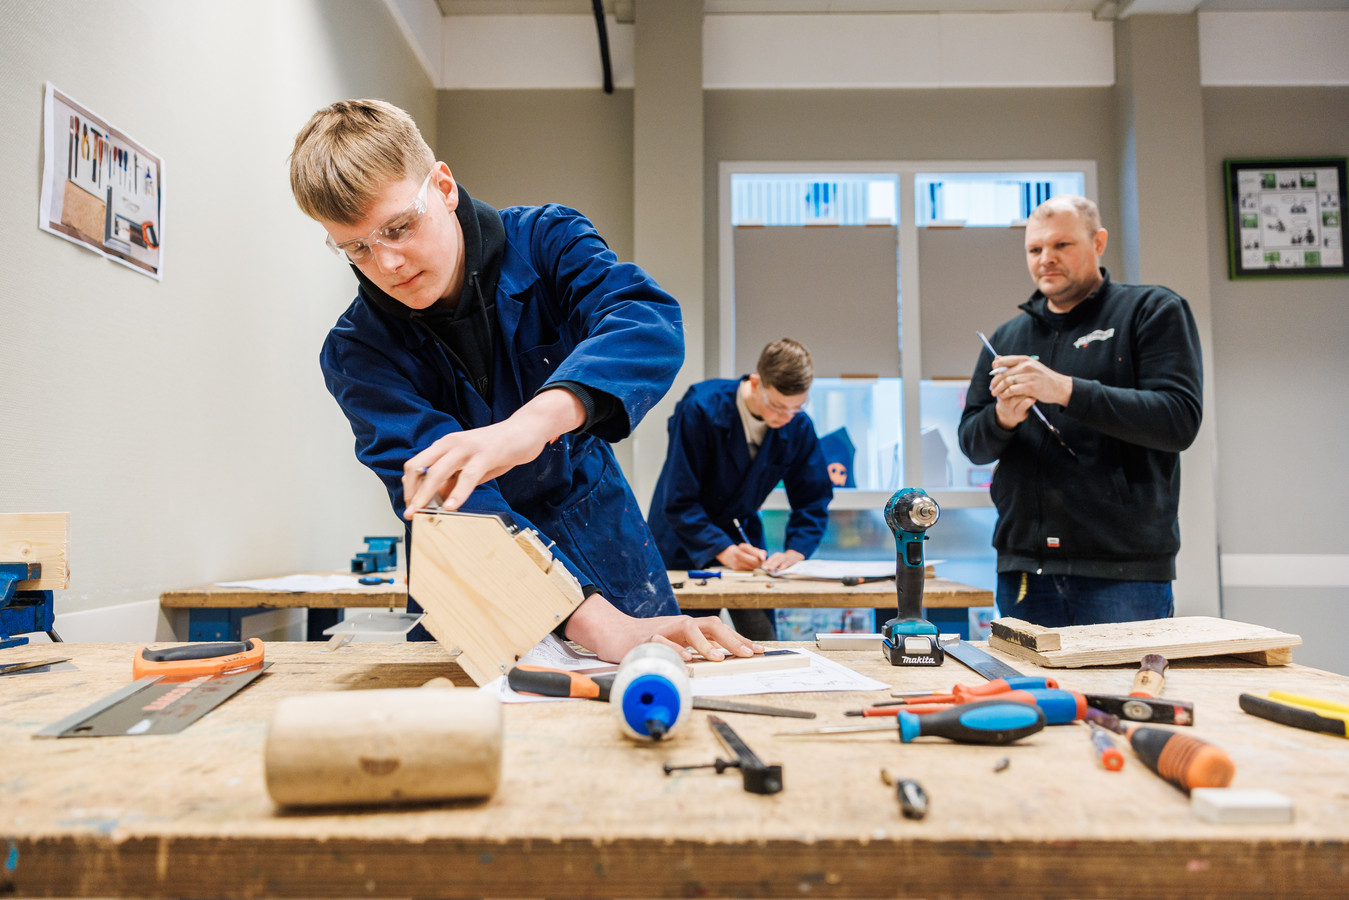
(823, 675)
(297, 584)
(550, 653)
(836, 569)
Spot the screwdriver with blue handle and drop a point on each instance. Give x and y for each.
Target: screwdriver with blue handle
(983, 722)
(1059, 707)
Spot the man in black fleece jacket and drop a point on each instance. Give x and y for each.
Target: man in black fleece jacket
(1087, 529)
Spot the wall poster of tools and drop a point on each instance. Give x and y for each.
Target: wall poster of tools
(1285, 217)
(101, 189)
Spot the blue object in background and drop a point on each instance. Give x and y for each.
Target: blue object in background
(839, 452)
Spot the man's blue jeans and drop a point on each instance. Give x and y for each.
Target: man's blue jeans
(1057, 600)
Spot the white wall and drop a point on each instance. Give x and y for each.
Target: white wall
(184, 423)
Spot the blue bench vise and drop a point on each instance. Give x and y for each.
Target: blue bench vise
(23, 612)
(380, 555)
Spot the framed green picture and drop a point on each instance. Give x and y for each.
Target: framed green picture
(1285, 217)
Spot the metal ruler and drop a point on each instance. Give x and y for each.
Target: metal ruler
(979, 661)
(753, 709)
(151, 705)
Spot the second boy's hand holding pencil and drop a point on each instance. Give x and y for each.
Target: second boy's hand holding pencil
(743, 556)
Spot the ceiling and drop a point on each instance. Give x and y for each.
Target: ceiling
(622, 9)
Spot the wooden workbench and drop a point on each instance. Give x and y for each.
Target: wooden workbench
(581, 812)
(215, 612)
(763, 592)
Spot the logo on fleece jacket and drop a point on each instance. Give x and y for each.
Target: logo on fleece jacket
(1097, 335)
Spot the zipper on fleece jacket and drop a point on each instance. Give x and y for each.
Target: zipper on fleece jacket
(1042, 469)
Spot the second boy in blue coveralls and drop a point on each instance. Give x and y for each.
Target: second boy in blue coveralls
(488, 359)
(731, 442)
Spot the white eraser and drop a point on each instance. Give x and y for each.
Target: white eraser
(848, 641)
(1241, 806)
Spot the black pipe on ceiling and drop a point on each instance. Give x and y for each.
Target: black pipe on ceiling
(598, 6)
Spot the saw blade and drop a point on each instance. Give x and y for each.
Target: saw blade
(151, 705)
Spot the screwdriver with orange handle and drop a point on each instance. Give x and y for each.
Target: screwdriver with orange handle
(559, 683)
(1187, 762)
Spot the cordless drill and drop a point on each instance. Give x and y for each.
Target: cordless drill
(909, 639)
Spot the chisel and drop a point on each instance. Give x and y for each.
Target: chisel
(11, 668)
(563, 683)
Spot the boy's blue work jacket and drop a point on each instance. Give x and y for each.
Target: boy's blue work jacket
(566, 310)
(709, 479)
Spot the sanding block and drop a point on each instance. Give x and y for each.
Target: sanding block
(1241, 806)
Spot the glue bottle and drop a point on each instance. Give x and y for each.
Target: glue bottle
(651, 693)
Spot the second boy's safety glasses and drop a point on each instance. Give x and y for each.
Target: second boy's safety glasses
(393, 233)
(777, 407)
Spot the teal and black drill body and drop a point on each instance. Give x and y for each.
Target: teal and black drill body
(909, 513)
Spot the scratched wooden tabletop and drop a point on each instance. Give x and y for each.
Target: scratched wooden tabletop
(583, 812)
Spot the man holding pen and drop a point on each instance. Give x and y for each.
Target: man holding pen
(731, 442)
(1087, 401)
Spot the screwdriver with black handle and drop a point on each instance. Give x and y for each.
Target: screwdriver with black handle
(559, 683)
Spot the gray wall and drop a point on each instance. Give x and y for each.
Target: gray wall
(1280, 357)
(557, 146)
(183, 423)
(845, 126)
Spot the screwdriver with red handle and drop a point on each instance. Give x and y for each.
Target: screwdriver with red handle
(971, 692)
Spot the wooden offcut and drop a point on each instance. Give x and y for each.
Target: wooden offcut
(1128, 642)
(487, 594)
(38, 538)
(1032, 637)
(744, 665)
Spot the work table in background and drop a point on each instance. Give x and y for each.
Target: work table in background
(758, 591)
(215, 612)
(582, 812)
